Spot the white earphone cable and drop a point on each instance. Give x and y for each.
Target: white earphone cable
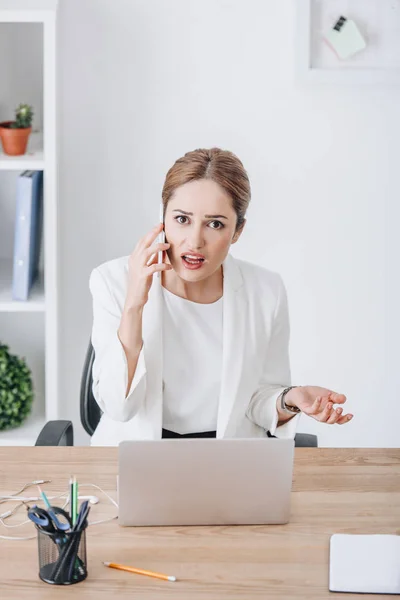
(81, 485)
(9, 537)
(36, 482)
(21, 502)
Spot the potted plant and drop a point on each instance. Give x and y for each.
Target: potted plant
(14, 135)
(16, 389)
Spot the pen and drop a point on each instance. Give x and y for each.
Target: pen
(47, 503)
(75, 501)
(83, 513)
(68, 558)
(73, 508)
(139, 571)
(71, 492)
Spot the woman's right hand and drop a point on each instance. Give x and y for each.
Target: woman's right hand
(141, 269)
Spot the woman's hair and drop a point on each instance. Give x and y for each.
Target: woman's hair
(220, 166)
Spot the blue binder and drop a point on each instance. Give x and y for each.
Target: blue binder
(28, 233)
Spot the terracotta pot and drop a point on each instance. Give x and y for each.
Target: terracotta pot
(14, 141)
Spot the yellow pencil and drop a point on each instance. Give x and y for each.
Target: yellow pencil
(139, 571)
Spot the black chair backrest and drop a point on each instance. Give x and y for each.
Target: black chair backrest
(90, 410)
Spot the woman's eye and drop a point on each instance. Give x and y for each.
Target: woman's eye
(220, 225)
(214, 224)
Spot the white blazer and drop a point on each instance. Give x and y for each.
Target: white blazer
(255, 364)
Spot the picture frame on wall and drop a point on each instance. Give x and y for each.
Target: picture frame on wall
(377, 22)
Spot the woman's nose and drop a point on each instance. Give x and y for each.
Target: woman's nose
(195, 240)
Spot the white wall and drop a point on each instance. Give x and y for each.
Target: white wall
(21, 64)
(141, 83)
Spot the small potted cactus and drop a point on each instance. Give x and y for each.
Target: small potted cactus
(14, 135)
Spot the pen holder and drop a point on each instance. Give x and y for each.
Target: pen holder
(62, 556)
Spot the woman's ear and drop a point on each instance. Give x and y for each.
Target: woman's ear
(238, 232)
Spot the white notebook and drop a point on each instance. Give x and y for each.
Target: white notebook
(364, 563)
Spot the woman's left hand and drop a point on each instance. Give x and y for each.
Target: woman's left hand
(317, 402)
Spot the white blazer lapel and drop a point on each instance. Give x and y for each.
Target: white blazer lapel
(233, 381)
(234, 339)
(153, 354)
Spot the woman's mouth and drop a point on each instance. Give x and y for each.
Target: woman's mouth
(191, 262)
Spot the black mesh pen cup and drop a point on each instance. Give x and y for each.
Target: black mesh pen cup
(62, 556)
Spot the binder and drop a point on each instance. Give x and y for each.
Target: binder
(28, 233)
(364, 563)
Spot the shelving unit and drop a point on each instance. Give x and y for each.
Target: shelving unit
(30, 329)
(33, 159)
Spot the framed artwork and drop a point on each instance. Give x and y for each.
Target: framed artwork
(378, 22)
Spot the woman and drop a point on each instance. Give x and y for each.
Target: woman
(201, 349)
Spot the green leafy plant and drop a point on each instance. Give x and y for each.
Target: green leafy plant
(23, 117)
(16, 389)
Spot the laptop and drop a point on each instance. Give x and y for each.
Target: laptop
(205, 481)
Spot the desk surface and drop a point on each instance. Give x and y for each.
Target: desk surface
(334, 491)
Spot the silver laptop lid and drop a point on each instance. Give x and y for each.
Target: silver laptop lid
(201, 481)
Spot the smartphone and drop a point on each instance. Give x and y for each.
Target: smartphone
(161, 237)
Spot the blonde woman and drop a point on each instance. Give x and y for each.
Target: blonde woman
(201, 350)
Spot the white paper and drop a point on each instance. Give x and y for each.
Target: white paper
(364, 563)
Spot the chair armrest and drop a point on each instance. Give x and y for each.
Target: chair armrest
(305, 440)
(302, 440)
(56, 433)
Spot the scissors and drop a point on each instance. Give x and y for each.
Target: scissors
(53, 520)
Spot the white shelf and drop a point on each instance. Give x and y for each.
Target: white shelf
(36, 302)
(33, 159)
(26, 434)
(25, 11)
(36, 335)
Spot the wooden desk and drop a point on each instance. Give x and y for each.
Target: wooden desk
(334, 491)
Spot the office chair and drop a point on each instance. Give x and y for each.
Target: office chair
(60, 433)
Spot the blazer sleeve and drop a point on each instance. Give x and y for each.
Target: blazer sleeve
(110, 367)
(276, 374)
